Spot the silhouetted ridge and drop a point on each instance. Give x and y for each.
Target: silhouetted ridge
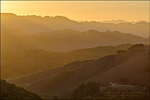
(35, 24)
(12, 92)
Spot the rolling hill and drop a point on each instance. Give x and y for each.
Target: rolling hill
(15, 64)
(34, 24)
(128, 68)
(27, 79)
(64, 40)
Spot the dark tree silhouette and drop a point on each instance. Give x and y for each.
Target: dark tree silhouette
(121, 51)
(137, 46)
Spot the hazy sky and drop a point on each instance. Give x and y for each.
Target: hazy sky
(81, 10)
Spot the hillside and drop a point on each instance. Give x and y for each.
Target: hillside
(27, 79)
(128, 68)
(34, 24)
(64, 40)
(15, 64)
(12, 92)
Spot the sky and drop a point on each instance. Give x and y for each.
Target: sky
(81, 10)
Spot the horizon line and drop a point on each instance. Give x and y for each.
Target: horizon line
(100, 21)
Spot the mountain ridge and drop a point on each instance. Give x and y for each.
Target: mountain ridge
(34, 24)
(98, 70)
(66, 40)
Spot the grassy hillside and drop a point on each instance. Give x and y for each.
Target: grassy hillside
(12, 92)
(127, 68)
(27, 79)
(34, 60)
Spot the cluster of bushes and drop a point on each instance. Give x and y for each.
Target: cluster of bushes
(12, 92)
(133, 47)
(137, 46)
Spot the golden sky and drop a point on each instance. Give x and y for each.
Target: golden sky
(81, 10)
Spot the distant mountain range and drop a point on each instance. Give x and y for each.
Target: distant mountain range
(34, 24)
(122, 21)
(43, 50)
(54, 55)
(64, 40)
(128, 68)
(115, 21)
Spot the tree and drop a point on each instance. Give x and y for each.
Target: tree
(89, 89)
(137, 46)
(121, 51)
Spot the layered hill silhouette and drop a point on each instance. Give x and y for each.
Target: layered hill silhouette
(15, 64)
(128, 68)
(54, 56)
(64, 40)
(34, 24)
